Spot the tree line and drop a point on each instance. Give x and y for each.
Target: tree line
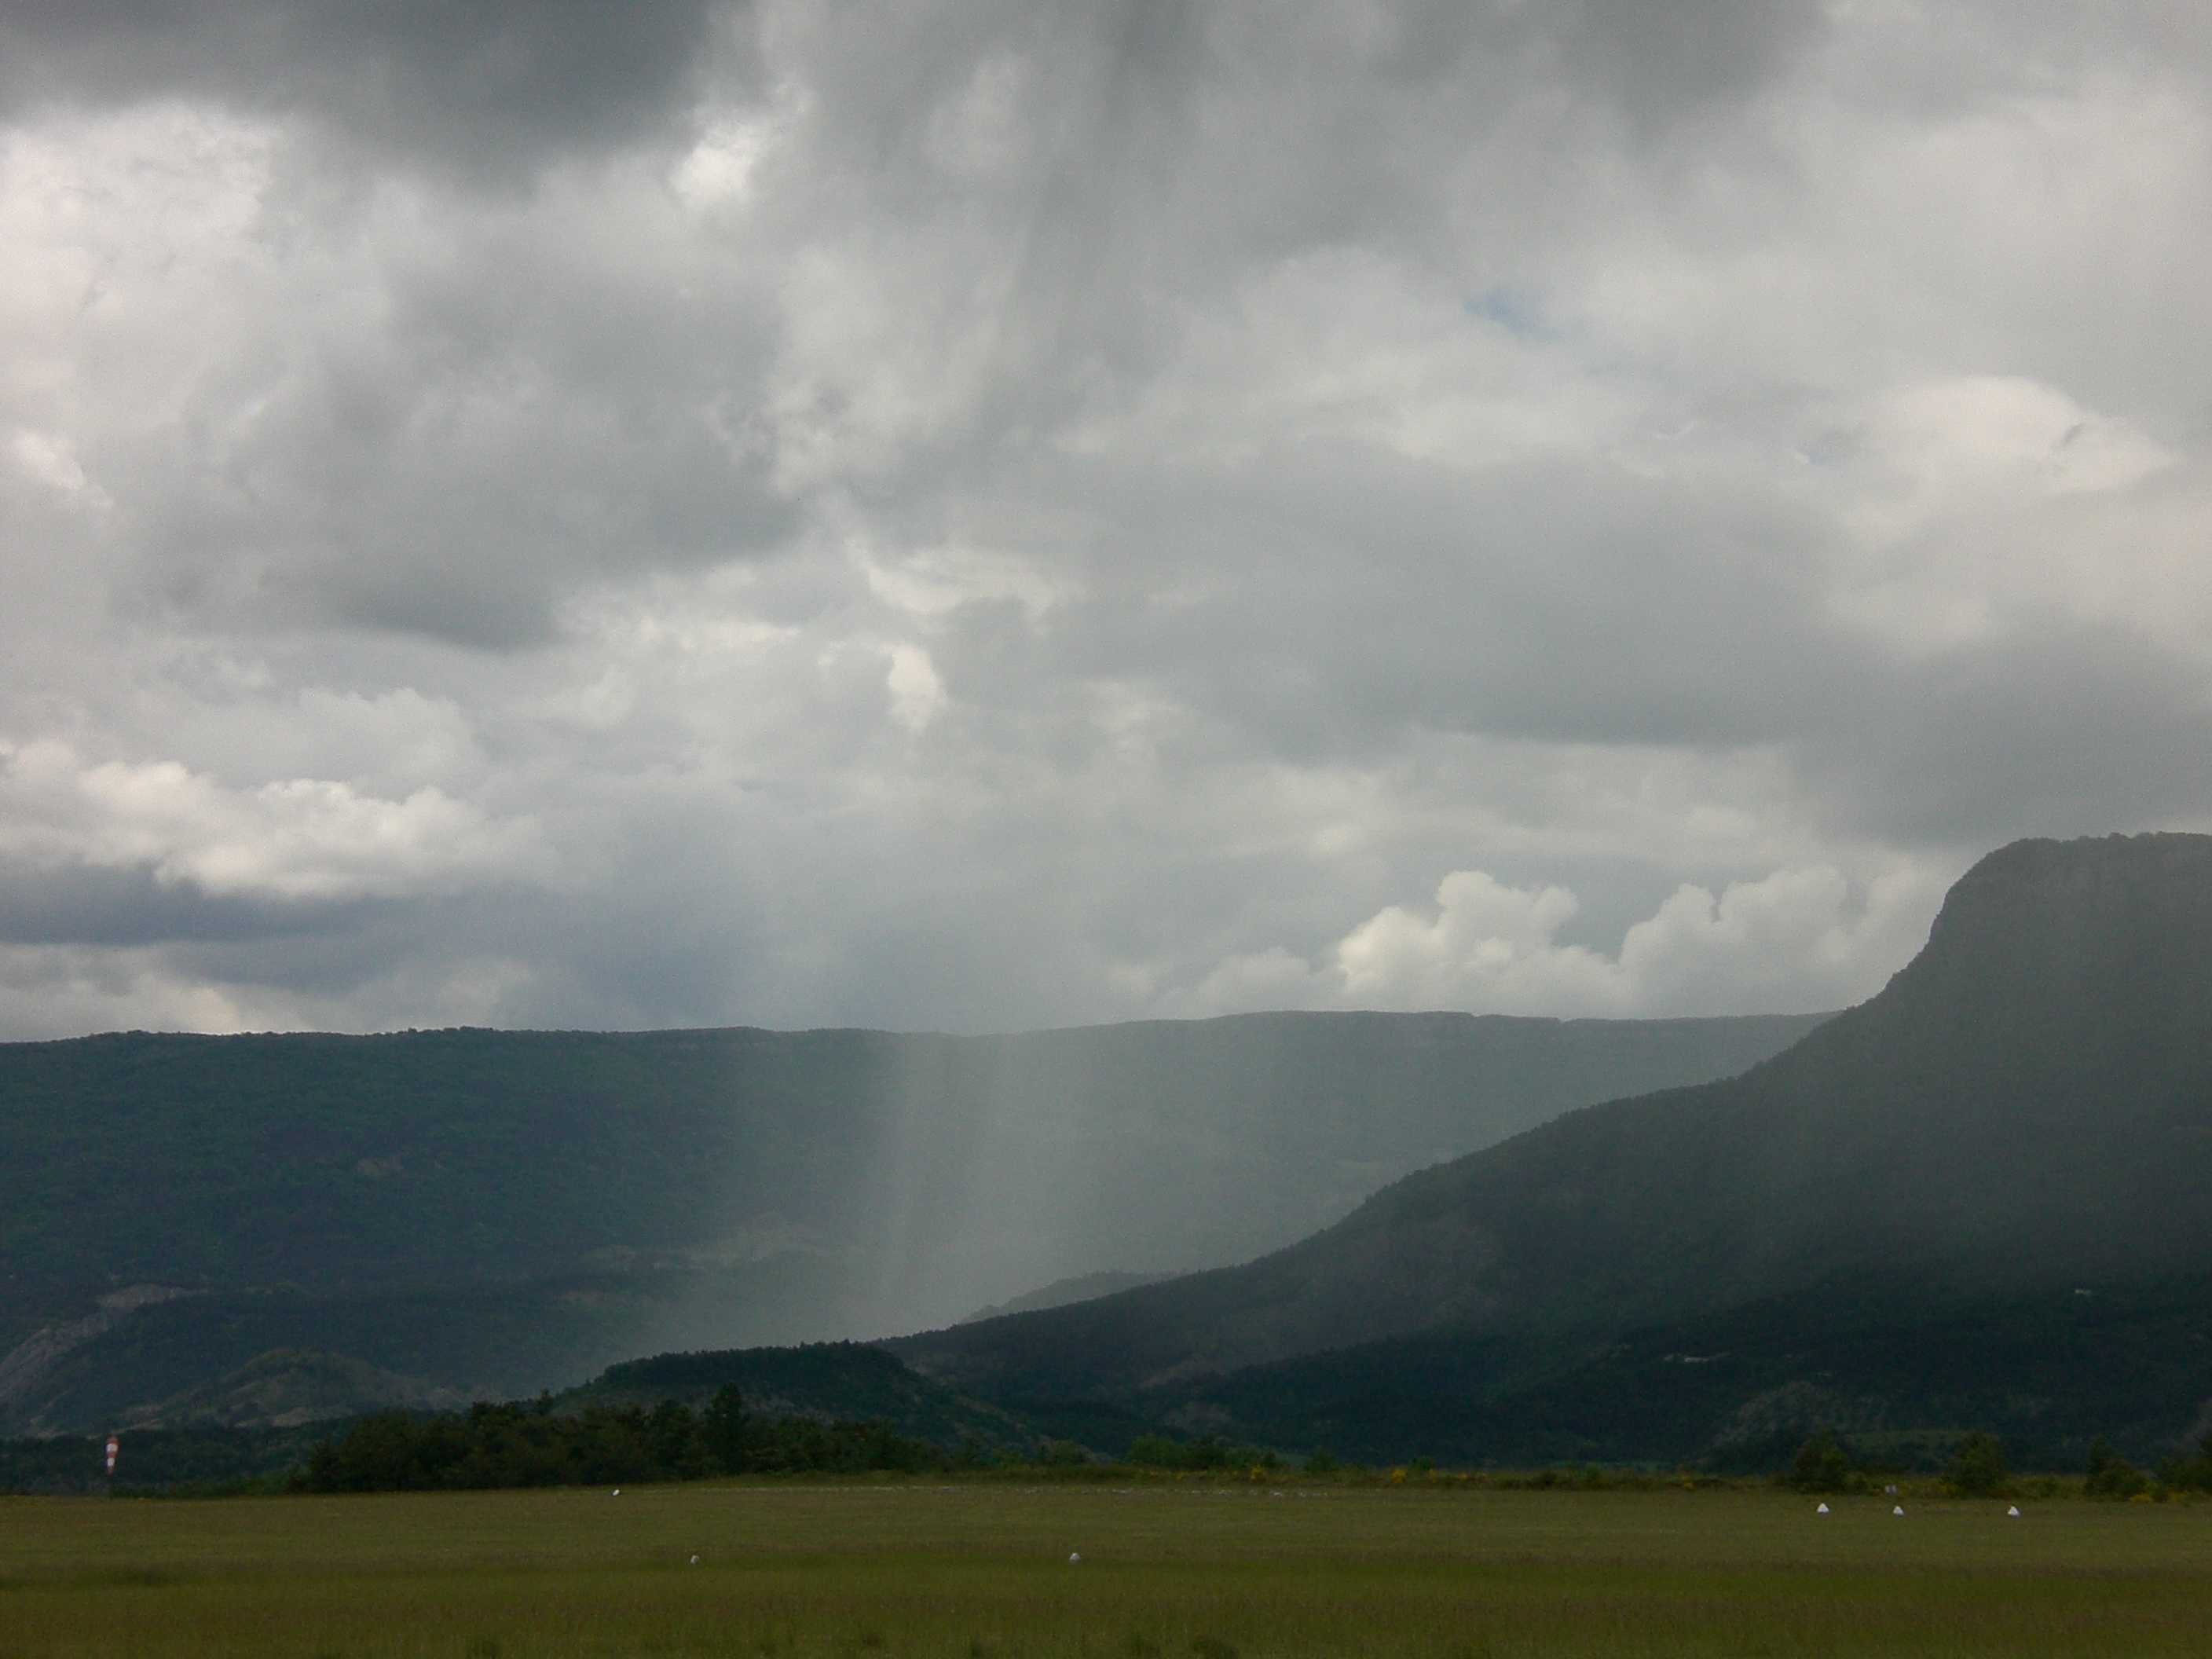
(1978, 1467)
(529, 1443)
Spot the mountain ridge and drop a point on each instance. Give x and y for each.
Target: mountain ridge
(2028, 1102)
(497, 1212)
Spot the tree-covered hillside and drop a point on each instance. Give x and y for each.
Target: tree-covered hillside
(2024, 1112)
(495, 1211)
(844, 1380)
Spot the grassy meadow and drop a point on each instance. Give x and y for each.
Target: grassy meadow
(1184, 1568)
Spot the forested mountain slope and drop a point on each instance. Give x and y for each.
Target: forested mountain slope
(2024, 1111)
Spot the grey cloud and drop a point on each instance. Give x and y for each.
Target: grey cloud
(512, 417)
(1575, 606)
(1306, 577)
(1143, 82)
(1659, 62)
(1961, 56)
(358, 946)
(1354, 594)
(129, 907)
(2061, 730)
(491, 89)
(1161, 153)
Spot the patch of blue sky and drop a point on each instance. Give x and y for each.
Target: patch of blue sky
(1518, 311)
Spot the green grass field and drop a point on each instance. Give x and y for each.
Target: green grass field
(1169, 1568)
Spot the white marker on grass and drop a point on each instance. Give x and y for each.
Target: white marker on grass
(2013, 1511)
(1073, 1557)
(1897, 1510)
(1823, 1509)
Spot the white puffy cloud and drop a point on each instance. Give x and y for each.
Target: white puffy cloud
(1483, 942)
(1798, 940)
(293, 840)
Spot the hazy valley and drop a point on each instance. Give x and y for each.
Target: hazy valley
(496, 1213)
(1981, 1198)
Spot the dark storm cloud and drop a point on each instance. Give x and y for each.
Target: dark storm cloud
(1660, 62)
(488, 88)
(131, 908)
(351, 953)
(510, 415)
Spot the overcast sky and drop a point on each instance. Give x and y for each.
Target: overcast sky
(985, 515)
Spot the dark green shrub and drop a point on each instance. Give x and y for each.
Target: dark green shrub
(1978, 1468)
(1158, 1451)
(1822, 1464)
(722, 1428)
(2179, 1472)
(973, 1454)
(2111, 1475)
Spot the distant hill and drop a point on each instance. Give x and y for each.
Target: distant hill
(1061, 1292)
(2025, 1112)
(263, 1419)
(851, 1381)
(493, 1213)
(288, 1388)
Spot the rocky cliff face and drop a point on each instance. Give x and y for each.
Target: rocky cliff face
(27, 1370)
